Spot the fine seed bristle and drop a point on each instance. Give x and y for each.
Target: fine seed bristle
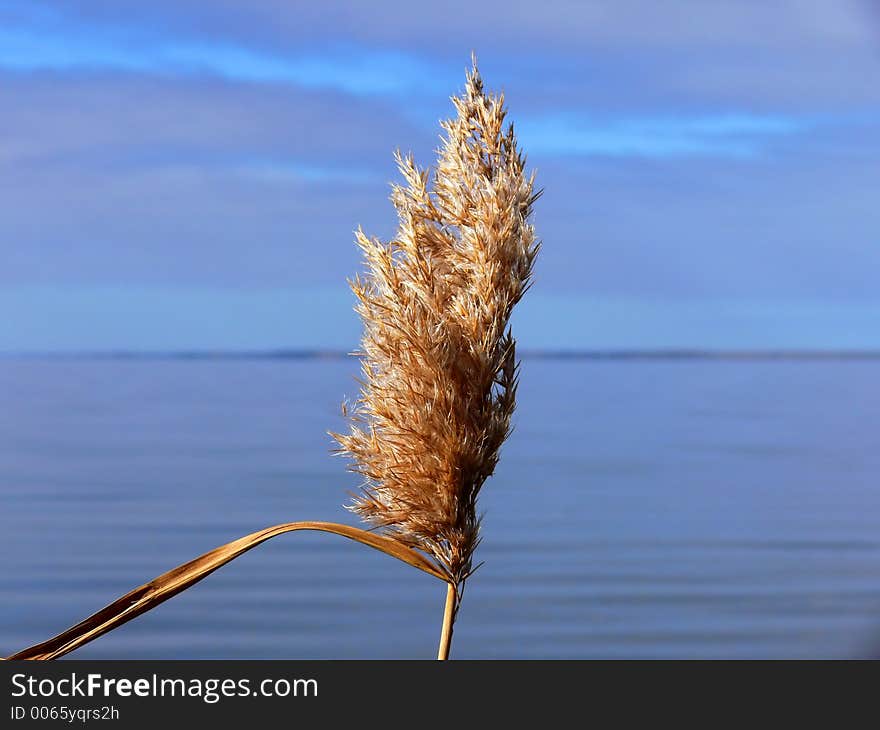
(439, 369)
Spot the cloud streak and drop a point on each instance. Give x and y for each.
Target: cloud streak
(357, 71)
(739, 135)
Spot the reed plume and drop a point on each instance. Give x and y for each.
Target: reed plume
(439, 369)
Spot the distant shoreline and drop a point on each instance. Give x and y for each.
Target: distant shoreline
(293, 354)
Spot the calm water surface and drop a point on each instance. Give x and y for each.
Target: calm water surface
(641, 509)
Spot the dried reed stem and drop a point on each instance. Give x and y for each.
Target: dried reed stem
(448, 622)
(439, 367)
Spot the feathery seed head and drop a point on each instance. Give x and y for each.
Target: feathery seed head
(439, 370)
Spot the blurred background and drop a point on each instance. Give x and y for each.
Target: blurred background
(693, 471)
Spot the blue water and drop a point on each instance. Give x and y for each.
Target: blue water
(641, 509)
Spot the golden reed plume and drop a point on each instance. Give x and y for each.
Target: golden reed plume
(438, 359)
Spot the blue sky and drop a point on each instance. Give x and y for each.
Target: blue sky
(189, 174)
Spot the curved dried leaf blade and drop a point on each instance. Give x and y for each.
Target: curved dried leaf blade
(167, 585)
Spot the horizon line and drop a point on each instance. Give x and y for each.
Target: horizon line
(536, 354)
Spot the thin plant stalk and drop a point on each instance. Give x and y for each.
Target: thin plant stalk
(448, 622)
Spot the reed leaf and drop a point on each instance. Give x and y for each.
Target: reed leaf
(148, 596)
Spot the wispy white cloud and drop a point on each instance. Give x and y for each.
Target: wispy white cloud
(37, 46)
(43, 40)
(716, 135)
(280, 171)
